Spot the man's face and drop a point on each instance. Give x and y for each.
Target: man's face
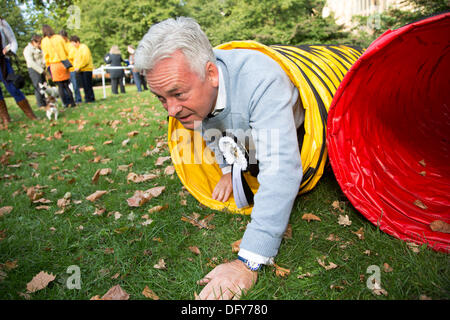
(181, 91)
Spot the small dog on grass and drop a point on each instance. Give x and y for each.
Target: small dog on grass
(47, 90)
(51, 96)
(51, 108)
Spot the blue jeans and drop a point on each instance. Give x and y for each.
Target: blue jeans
(76, 86)
(139, 80)
(16, 93)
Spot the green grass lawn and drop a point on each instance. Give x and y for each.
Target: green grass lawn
(111, 245)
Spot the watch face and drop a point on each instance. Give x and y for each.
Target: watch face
(253, 265)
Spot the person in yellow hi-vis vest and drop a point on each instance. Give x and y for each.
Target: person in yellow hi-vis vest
(56, 55)
(83, 66)
(73, 75)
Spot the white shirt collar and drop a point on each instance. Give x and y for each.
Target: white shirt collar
(221, 100)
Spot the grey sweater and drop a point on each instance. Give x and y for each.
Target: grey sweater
(259, 112)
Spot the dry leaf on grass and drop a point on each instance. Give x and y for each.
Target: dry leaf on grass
(387, 268)
(281, 272)
(149, 293)
(9, 265)
(141, 197)
(158, 208)
(124, 167)
(359, 233)
(194, 250)
(137, 178)
(34, 194)
(96, 195)
(304, 275)
(161, 265)
(194, 220)
(43, 208)
(115, 293)
(169, 170)
(333, 237)
(235, 246)
(413, 247)
(310, 216)
(161, 160)
(100, 172)
(440, 226)
(5, 210)
(288, 233)
(39, 281)
(330, 266)
(132, 133)
(344, 220)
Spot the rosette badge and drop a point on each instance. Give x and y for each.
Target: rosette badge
(234, 153)
(236, 156)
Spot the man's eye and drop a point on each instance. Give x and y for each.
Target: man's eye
(178, 95)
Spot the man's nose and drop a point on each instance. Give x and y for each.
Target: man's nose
(173, 108)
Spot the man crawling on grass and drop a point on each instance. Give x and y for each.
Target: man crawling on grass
(232, 90)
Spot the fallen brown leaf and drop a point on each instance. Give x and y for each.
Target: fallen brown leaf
(9, 265)
(96, 195)
(5, 210)
(161, 160)
(161, 265)
(115, 293)
(235, 246)
(124, 167)
(137, 178)
(158, 208)
(344, 220)
(310, 216)
(387, 268)
(332, 237)
(281, 272)
(149, 293)
(39, 281)
(194, 220)
(288, 233)
(43, 208)
(359, 233)
(305, 275)
(132, 133)
(330, 266)
(195, 250)
(169, 170)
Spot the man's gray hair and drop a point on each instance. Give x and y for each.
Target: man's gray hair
(168, 36)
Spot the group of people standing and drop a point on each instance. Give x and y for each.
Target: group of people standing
(52, 56)
(117, 74)
(65, 61)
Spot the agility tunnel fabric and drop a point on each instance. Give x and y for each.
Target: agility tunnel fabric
(317, 72)
(389, 129)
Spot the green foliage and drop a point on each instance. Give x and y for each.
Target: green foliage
(104, 23)
(395, 18)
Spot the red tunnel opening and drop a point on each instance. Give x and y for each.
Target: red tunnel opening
(389, 132)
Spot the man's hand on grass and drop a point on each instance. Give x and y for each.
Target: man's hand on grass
(227, 281)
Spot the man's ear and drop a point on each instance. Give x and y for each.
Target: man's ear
(212, 74)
